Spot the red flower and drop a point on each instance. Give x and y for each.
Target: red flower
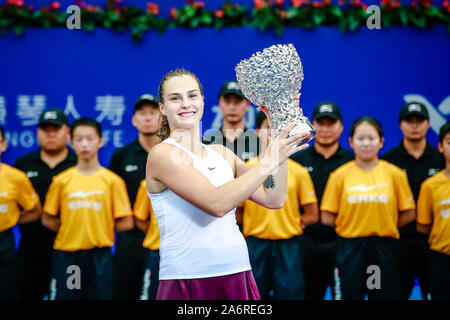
(316, 4)
(173, 14)
(413, 4)
(91, 7)
(385, 2)
(327, 2)
(55, 5)
(218, 13)
(357, 2)
(445, 3)
(153, 8)
(199, 4)
(297, 3)
(80, 3)
(280, 3)
(396, 4)
(17, 3)
(258, 4)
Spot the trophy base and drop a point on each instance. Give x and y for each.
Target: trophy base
(302, 127)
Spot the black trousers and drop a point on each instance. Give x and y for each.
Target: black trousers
(33, 276)
(150, 279)
(277, 266)
(129, 261)
(413, 257)
(368, 265)
(319, 263)
(439, 275)
(91, 269)
(8, 285)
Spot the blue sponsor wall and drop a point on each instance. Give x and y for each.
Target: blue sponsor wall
(370, 72)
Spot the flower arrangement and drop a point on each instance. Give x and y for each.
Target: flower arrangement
(347, 15)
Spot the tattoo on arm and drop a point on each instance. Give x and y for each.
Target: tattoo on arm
(269, 183)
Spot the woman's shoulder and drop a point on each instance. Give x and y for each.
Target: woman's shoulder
(164, 153)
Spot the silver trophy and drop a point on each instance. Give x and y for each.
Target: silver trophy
(272, 78)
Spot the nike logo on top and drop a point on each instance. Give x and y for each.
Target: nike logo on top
(446, 201)
(3, 194)
(363, 187)
(83, 194)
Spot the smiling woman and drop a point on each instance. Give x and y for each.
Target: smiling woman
(195, 190)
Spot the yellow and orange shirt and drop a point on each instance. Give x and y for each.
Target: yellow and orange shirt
(433, 207)
(88, 206)
(367, 202)
(143, 210)
(281, 223)
(16, 194)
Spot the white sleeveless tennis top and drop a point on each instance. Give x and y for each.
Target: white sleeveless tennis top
(194, 244)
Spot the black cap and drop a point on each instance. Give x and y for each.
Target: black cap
(53, 116)
(231, 87)
(146, 99)
(413, 108)
(326, 109)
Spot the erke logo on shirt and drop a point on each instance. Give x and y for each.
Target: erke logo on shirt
(83, 194)
(4, 194)
(363, 187)
(3, 208)
(81, 204)
(367, 198)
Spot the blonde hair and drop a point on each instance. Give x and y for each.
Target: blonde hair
(164, 130)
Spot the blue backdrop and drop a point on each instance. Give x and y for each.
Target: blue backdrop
(370, 72)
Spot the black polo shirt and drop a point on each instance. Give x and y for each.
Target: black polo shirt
(35, 238)
(418, 170)
(129, 162)
(246, 146)
(320, 168)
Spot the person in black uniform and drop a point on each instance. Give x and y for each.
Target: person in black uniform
(420, 160)
(35, 247)
(234, 134)
(319, 240)
(129, 163)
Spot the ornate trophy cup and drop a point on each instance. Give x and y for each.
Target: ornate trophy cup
(272, 78)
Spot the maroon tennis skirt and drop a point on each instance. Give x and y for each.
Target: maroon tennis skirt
(237, 286)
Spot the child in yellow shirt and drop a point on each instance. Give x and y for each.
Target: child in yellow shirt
(274, 235)
(433, 218)
(19, 203)
(85, 205)
(367, 200)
